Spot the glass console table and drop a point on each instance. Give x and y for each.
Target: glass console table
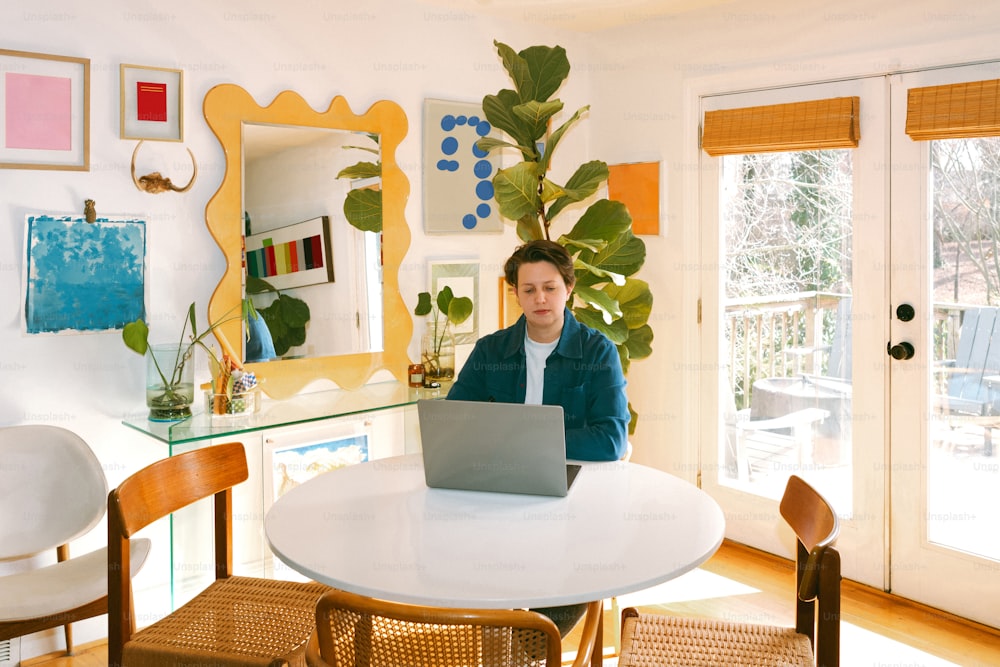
(300, 410)
(385, 411)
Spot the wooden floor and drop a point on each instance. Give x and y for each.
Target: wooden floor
(742, 584)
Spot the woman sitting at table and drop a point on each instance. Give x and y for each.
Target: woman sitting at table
(548, 357)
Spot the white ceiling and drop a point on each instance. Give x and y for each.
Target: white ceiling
(579, 15)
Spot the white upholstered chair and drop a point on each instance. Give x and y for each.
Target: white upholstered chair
(52, 491)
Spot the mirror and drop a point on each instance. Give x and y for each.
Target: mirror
(232, 113)
(293, 204)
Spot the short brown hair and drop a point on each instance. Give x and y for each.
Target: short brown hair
(541, 251)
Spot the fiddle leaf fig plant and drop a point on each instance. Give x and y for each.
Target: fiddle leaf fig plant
(606, 254)
(174, 397)
(363, 206)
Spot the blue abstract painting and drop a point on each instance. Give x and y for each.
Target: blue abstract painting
(458, 176)
(83, 277)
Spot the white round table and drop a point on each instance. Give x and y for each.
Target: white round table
(376, 529)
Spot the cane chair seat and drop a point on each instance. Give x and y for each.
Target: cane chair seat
(660, 639)
(235, 620)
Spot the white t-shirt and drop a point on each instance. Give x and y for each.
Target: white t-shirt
(535, 356)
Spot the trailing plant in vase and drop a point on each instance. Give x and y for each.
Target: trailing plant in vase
(606, 254)
(170, 392)
(448, 310)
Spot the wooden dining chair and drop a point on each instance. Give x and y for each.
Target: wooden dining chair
(235, 620)
(354, 630)
(663, 640)
(52, 491)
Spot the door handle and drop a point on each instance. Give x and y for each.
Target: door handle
(900, 351)
(905, 312)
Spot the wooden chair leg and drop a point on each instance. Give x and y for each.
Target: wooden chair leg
(62, 554)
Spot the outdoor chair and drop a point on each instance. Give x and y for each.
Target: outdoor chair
(355, 630)
(235, 620)
(664, 640)
(52, 491)
(968, 409)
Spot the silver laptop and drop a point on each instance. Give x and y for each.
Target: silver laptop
(499, 447)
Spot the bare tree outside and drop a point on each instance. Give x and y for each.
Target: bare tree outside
(787, 220)
(966, 201)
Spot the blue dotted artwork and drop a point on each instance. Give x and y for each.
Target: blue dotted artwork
(458, 176)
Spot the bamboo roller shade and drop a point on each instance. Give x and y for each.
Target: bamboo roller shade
(953, 111)
(796, 126)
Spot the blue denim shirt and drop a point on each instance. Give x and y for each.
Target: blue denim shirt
(583, 375)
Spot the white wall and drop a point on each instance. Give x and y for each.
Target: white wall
(381, 49)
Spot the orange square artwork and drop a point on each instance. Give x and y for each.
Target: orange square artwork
(637, 185)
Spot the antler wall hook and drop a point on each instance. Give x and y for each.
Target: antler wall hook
(155, 183)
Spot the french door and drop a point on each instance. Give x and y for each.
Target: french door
(834, 350)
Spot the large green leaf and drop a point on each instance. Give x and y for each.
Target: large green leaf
(551, 190)
(604, 219)
(499, 111)
(459, 309)
(536, 115)
(557, 135)
(518, 70)
(136, 336)
(444, 297)
(423, 306)
(529, 228)
(640, 342)
(616, 331)
(548, 67)
(363, 209)
(635, 300)
(582, 184)
(600, 301)
(361, 170)
(516, 191)
(487, 144)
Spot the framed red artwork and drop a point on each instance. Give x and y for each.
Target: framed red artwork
(152, 103)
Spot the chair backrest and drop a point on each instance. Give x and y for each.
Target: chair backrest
(154, 492)
(356, 630)
(817, 578)
(975, 357)
(52, 489)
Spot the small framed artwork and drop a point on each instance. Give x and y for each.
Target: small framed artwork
(292, 256)
(463, 279)
(44, 111)
(510, 309)
(68, 260)
(458, 176)
(152, 103)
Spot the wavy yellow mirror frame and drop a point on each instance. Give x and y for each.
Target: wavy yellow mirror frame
(226, 108)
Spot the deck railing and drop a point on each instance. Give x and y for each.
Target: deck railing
(785, 335)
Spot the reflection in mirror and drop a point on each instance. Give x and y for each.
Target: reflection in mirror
(229, 112)
(290, 177)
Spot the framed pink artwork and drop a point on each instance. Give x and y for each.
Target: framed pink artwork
(44, 111)
(152, 103)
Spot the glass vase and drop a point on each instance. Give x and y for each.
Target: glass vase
(437, 354)
(169, 383)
